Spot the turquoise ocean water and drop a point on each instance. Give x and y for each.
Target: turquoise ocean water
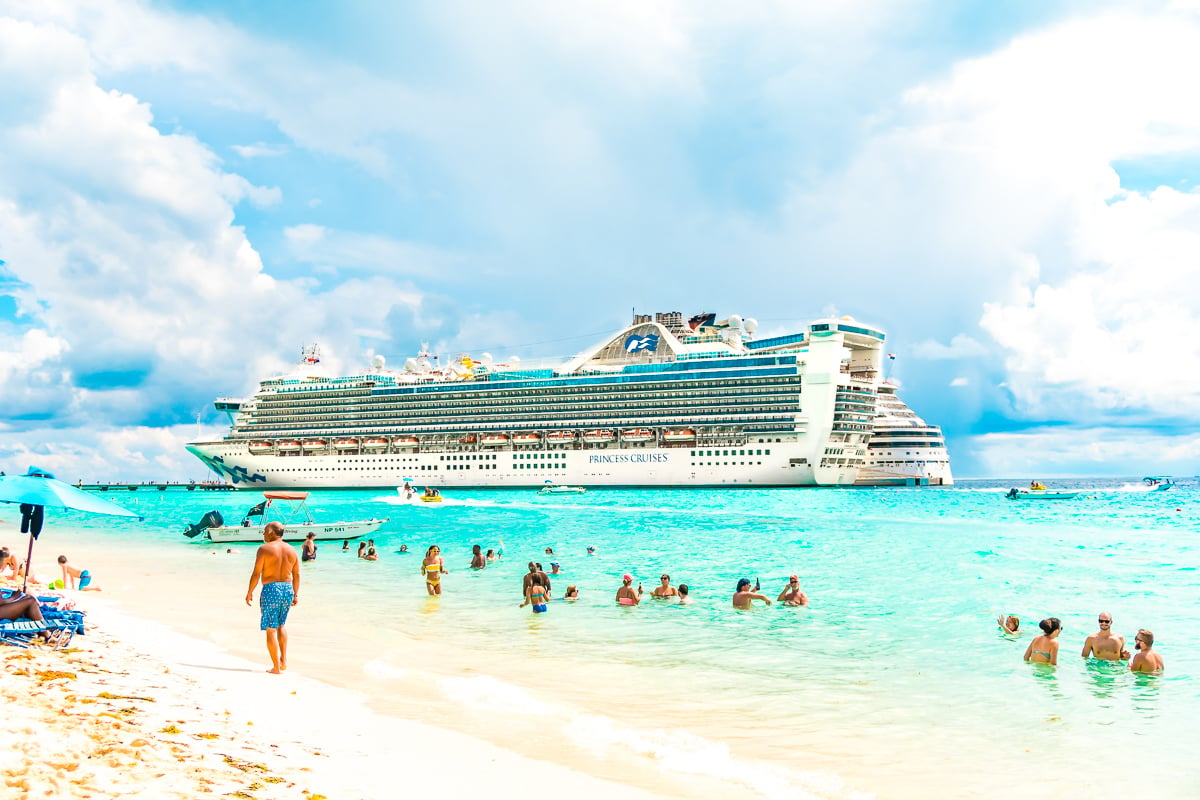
(895, 677)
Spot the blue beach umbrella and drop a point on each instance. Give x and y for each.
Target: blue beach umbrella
(37, 489)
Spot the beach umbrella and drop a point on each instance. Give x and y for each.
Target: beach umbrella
(37, 489)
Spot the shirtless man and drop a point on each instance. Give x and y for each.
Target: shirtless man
(791, 594)
(278, 567)
(1103, 644)
(1146, 659)
(666, 589)
(743, 597)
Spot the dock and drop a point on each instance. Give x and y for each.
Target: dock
(160, 487)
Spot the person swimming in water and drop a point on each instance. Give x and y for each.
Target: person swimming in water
(1044, 649)
(537, 594)
(572, 593)
(1105, 645)
(626, 596)
(683, 595)
(744, 598)
(433, 568)
(1146, 659)
(665, 589)
(477, 559)
(792, 594)
(1010, 623)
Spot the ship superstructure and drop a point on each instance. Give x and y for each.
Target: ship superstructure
(663, 402)
(904, 449)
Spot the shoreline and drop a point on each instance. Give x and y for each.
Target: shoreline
(113, 711)
(496, 719)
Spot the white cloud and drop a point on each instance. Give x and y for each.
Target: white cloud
(381, 255)
(259, 150)
(961, 346)
(960, 381)
(1084, 451)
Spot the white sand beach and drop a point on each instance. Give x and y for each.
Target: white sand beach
(135, 709)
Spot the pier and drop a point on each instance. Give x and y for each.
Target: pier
(151, 486)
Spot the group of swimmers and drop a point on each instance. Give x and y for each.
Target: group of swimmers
(1103, 645)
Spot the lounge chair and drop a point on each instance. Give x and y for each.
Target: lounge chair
(21, 632)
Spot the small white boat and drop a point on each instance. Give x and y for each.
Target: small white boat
(1039, 494)
(679, 435)
(599, 437)
(288, 508)
(259, 447)
(526, 439)
(405, 442)
(495, 440)
(553, 488)
(378, 443)
(560, 437)
(1157, 483)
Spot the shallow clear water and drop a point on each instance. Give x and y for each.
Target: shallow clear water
(895, 674)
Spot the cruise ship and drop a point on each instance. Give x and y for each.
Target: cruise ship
(663, 402)
(904, 450)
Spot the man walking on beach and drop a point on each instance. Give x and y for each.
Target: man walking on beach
(278, 567)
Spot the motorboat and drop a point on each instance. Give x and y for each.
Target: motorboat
(554, 488)
(1158, 483)
(1039, 494)
(290, 509)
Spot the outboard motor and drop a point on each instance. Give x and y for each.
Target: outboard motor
(212, 519)
(1012, 493)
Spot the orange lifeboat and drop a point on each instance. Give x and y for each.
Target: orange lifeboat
(527, 439)
(468, 439)
(598, 437)
(375, 444)
(637, 435)
(346, 444)
(405, 442)
(260, 447)
(560, 437)
(679, 435)
(289, 447)
(314, 445)
(494, 440)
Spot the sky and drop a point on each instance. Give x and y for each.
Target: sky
(190, 192)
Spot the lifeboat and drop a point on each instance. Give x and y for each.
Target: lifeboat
(560, 437)
(527, 439)
(637, 435)
(679, 435)
(495, 440)
(598, 437)
(375, 444)
(289, 447)
(346, 444)
(468, 439)
(405, 442)
(314, 445)
(260, 447)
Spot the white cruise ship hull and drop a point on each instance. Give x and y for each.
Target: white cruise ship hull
(750, 465)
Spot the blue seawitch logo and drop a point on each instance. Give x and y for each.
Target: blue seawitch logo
(647, 342)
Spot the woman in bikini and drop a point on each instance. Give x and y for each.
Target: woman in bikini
(537, 594)
(433, 568)
(1044, 649)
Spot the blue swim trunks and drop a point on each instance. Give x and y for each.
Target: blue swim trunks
(84, 579)
(276, 602)
(539, 608)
